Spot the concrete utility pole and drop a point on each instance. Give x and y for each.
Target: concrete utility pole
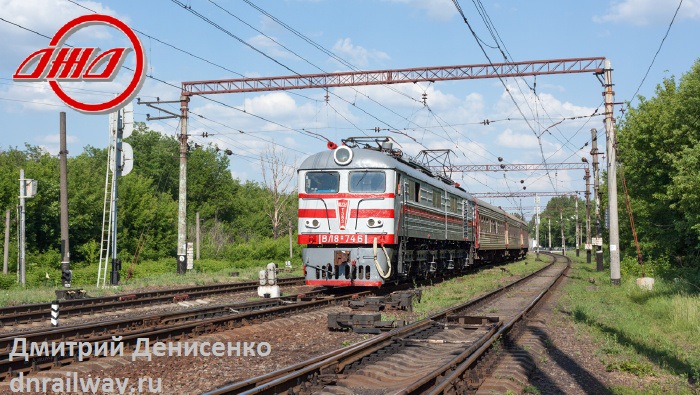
(597, 194)
(588, 215)
(611, 146)
(563, 240)
(537, 227)
(22, 252)
(5, 250)
(549, 232)
(63, 164)
(291, 249)
(577, 230)
(197, 234)
(182, 264)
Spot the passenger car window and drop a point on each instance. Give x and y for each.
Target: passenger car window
(437, 199)
(322, 182)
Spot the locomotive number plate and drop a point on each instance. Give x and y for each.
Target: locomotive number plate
(349, 238)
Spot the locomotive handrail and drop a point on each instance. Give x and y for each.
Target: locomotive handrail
(357, 217)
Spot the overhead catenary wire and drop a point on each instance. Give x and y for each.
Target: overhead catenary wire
(668, 30)
(464, 18)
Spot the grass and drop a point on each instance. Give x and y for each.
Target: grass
(148, 275)
(459, 290)
(639, 332)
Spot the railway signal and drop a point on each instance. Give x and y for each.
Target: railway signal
(120, 163)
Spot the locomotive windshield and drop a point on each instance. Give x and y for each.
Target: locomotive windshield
(322, 182)
(367, 181)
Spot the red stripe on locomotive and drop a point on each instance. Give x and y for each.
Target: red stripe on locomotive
(345, 195)
(351, 238)
(316, 213)
(372, 212)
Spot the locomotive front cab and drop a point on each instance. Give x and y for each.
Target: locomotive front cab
(346, 218)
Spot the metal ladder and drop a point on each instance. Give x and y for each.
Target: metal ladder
(107, 210)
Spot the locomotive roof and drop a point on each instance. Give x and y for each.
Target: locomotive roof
(508, 215)
(374, 159)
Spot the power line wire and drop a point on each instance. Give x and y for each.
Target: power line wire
(657, 51)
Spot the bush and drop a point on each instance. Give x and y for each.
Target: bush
(8, 281)
(251, 254)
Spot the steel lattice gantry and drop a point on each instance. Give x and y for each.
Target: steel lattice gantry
(487, 195)
(596, 65)
(514, 167)
(396, 76)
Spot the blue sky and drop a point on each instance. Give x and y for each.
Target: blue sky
(369, 35)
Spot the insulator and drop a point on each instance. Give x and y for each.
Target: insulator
(229, 152)
(500, 159)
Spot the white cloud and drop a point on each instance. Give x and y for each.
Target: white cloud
(357, 55)
(55, 138)
(509, 139)
(648, 12)
(41, 16)
(270, 47)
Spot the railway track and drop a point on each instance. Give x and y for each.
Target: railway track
(453, 351)
(167, 327)
(23, 314)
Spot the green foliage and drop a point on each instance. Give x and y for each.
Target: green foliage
(561, 209)
(531, 389)
(639, 369)
(7, 281)
(638, 331)
(658, 145)
(234, 225)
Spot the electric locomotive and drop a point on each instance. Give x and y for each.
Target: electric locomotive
(368, 215)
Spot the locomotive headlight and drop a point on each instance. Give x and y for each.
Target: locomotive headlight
(342, 155)
(313, 224)
(374, 223)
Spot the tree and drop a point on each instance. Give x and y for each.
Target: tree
(277, 177)
(558, 208)
(658, 145)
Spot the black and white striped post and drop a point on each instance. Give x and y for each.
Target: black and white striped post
(54, 313)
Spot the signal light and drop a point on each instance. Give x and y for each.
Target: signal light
(66, 277)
